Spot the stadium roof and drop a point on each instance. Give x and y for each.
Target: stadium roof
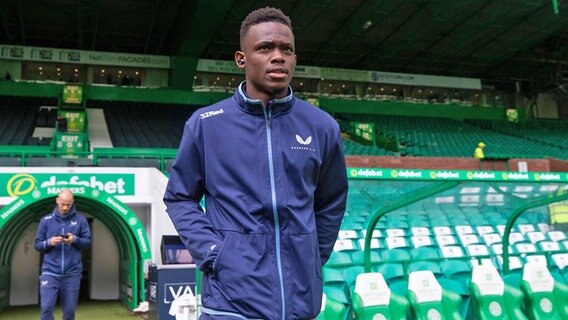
(492, 39)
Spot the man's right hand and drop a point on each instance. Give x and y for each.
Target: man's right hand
(55, 240)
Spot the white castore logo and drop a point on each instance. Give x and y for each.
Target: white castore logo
(302, 141)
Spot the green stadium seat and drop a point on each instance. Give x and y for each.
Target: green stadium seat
(431, 266)
(332, 309)
(457, 269)
(338, 259)
(425, 253)
(545, 298)
(396, 255)
(429, 300)
(373, 299)
(350, 275)
(358, 257)
(392, 272)
(491, 297)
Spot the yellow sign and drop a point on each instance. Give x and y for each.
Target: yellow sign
(21, 184)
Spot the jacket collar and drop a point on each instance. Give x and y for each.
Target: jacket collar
(255, 106)
(70, 214)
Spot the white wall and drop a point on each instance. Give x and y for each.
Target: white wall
(25, 269)
(105, 265)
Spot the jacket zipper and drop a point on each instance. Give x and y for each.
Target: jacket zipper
(268, 116)
(62, 251)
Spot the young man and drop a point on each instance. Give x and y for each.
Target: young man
(272, 170)
(61, 236)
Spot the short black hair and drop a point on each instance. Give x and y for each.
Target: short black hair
(261, 15)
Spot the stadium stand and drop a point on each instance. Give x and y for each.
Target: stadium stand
(448, 236)
(144, 125)
(18, 118)
(444, 137)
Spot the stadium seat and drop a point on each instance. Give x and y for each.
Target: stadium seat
(491, 297)
(373, 299)
(392, 272)
(545, 298)
(431, 266)
(556, 235)
(429, 300)
(398, 255)
(338, 259)
(536, 236)
(446, 240)
(332, 309)
(459, 270)
(452, 252)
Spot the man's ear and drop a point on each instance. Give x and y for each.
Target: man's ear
(240, 59)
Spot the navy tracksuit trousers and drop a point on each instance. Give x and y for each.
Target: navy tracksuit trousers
(66, 288)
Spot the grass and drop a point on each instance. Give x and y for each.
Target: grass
(86, 310)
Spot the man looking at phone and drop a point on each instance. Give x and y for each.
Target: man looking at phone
(60, 237)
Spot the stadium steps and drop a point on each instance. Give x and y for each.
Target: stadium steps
(99, 135)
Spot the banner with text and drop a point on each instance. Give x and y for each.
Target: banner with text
(223, 66)
(14, 52)
(20, 184)
(461, 175)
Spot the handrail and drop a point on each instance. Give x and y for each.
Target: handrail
(516, 213)
(25, 152)
(418, 195)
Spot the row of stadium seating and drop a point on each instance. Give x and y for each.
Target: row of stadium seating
(17, 118)
(532, 294)
(547, 132)
(445, 235)
(435, 137)
(144, 125)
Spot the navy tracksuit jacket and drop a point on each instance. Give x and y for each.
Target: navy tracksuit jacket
(275, 187)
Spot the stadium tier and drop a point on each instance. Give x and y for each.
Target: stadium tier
(443, 239)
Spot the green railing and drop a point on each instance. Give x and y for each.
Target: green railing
(21, 155)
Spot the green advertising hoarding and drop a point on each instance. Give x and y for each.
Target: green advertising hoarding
(460, 175)
(21, 184)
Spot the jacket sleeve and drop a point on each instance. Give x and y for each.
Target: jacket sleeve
(41, 241)
(331, 195)
(182, 196)
(83, 239)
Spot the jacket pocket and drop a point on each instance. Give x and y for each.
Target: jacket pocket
(305, 274)
(245, 276)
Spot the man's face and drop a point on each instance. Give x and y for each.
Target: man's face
(270, 60)
(64, 204)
